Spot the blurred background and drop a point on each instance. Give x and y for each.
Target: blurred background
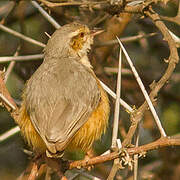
(148, 55)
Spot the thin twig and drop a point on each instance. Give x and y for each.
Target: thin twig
(34, 172)
(157, 120)
(21, 58)
(9, 133)
(2, 97)
(53, 4)
(115, 167)
(125, 39)
(45, 14)
(25, 38)
(98, 20)
(111, 93)
(48, 174)
(11, 66)
(111, 70)
(135, 177)
(117, 105)
(6, 98)
(9, 70)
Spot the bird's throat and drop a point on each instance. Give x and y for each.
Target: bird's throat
(85, 61)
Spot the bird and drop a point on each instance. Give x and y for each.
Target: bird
(64, 107)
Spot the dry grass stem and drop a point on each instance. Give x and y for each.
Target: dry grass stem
(9, 70)
(9, 133)
(111, 93)
(135, 177)
(125, 39)
(25, 38)
(73, 3)
(10, 66)
(45, 14)
(21, 58)
(115, 167)
(3, 98)
(112, 70)
(117, 104)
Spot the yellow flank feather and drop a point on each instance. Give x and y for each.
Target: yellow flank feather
(28, 131)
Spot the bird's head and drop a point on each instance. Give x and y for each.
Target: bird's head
(70, 40)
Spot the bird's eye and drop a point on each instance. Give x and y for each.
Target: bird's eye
(81, 34)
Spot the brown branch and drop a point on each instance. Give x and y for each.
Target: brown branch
(173, 60)
(114, 9)
(5, 92)
(106, 5)
(114, 169)
(34, 172)
(73, 3)
(160, 143)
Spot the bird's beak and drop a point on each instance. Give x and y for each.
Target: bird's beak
(95, 32)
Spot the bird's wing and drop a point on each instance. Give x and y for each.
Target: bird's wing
(61, 101)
